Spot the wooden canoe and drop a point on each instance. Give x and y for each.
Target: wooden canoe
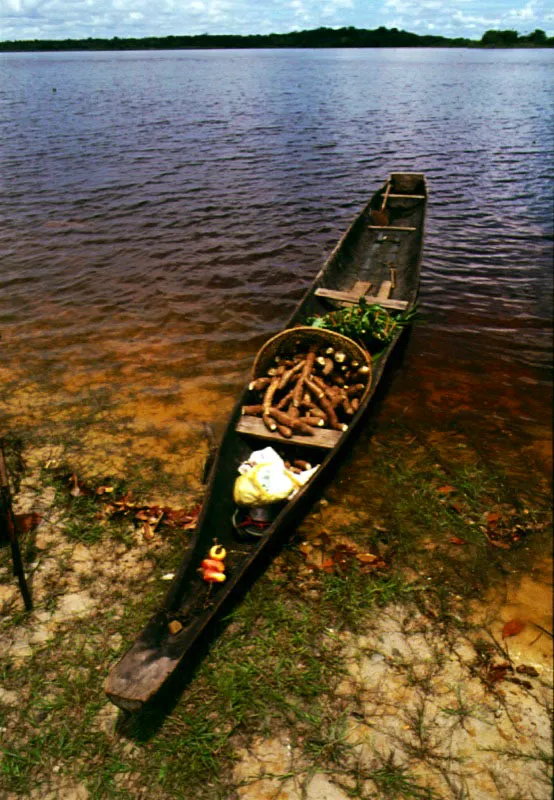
(379, 257)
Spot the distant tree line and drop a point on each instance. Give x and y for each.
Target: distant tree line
(512, 39)
(320, 37)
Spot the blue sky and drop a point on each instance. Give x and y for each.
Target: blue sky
(60, 19)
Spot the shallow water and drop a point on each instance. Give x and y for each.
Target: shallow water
(164, 211)
(528, 599)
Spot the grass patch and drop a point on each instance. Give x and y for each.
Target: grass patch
(275, 667)
(394, 781)
(346, 599)
(435, 509)
(272, 668)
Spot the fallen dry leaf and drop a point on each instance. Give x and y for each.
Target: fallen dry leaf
(342, 555)
(366, 558)
(379, 564)
(525, 684)
(127, 497)
(512, 628)
(187, 520)
(147, 532)
(525, 669)
(498, 543)
(155, 521)
(492, 518)
(446, 489)
(457, 540)
(498, 672)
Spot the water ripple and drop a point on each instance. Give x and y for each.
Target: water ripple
(193, 201)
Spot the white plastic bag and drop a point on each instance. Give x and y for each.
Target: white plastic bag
(264, 479)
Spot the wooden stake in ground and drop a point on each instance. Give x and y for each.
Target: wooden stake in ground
(8, 530)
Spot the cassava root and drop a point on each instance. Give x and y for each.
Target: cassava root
(309, 390)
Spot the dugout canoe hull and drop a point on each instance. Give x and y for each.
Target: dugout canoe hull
(382, 246)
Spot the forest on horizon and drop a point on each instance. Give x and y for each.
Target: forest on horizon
(319, 37)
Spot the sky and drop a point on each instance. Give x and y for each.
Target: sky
(79, 19)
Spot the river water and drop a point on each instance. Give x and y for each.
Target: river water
(163, 212)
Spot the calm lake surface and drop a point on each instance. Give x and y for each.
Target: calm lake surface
(164, 211)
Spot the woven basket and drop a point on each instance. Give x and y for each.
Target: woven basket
(298, 340)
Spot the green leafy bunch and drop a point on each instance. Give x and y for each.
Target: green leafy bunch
(370, 324)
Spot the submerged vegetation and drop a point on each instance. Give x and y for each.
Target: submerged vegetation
(319, 37)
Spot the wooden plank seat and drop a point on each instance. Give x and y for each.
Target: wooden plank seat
(382, 297)
(254, 426)
(403, 228)
(406, 197)
(348, 297)
(384, 290)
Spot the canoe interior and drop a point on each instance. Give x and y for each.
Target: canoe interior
(367, 252)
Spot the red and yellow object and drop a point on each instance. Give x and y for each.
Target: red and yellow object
(211, 576)
(213, 567)
(211, 563)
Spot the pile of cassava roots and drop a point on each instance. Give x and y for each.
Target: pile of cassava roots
(320, 388)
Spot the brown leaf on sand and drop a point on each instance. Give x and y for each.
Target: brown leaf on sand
(512, 628)
(342, 556)
(499, 543)
(147, 531)
(179, 518)
(525, 669)
(498, 672)
(366, 558)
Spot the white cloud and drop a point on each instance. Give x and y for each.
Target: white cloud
(335, 8)
(336, 5)
(525, 13)
(20, 19)
(468, 19)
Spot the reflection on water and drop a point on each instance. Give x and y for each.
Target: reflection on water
(164, 212)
